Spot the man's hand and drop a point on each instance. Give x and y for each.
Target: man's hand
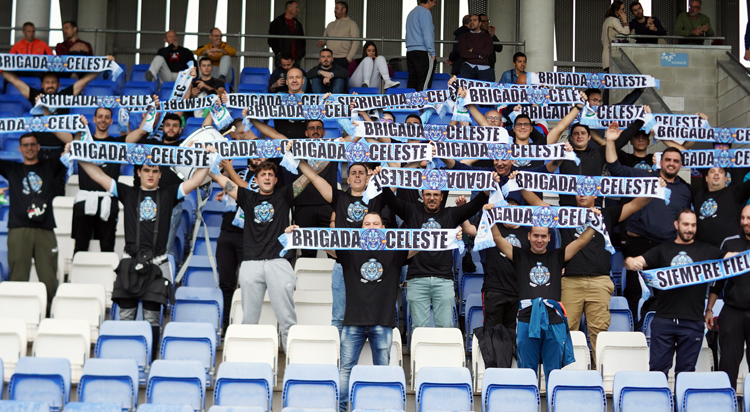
(226, 163)
(709, 318)
(491, 30)
(462, 93)
(613, 133)
(696, 32)
(448, 63)
(488, 206)
(219, 196)
(461, 200)
(633, 264)
(321, 43)
(67, 148)
(662, 182)
(279, 83)
(460, 234)
(290, 228)
(84, 120)
(568, 147)
(452, 79)
(193, 72)
(110, 58)
(702, 115)
(747, 54)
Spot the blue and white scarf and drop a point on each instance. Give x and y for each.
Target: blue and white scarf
(433, 179)
(58, 123)
(463, 150)
(697, 273)
(707, 159)
(59, 64)
(701, 134)
(592, 80)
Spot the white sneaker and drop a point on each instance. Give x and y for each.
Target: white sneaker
(390, 83)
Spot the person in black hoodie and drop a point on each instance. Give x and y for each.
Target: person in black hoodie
(454, 58)
(287, 24)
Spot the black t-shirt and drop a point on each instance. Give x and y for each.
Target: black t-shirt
(292, 129)
(29, 182)
(737, 288)
(268, 220)
(350, 212)
(371, 279)
(437, 264)
(631, 160)
(592, 164)
(48, 138)
(212, 82)
(593, 259)
(539, 276)
(110, 169)
(228, 217)
(177, 60)
(499, 273)
(140, 207)
(685, 302)
(413, 196)
(168, 176)
(311, 196)
(719, 212)
(535, 138)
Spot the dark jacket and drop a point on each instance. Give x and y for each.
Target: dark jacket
(338, 72)
(279, 26)
(492, 59)
(455, 56)
(480, 45)
(497, 344)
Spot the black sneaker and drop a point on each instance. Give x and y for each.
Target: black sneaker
(149, 76)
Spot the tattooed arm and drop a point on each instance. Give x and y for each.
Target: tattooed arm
(228, 186)
(301, 183)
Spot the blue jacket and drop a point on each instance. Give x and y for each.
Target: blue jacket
(509, 76)
(420, 32)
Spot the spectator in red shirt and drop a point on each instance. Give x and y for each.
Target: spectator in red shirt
(30, 44)
(73, 44)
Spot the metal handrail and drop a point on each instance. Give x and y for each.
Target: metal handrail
(655, 36)
(650, 90)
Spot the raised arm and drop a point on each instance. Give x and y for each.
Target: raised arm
(97, 174)
(324, 188)
(562, 125)
(501, 243)
(301, 183)
(226, 165)
(578, 244)
(22, 87)
(79, 85)
(267, 130)
(225, 184)
(631, 207)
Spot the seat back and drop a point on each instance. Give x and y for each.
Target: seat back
(365, 356)
(581, 352)
(620, 351)
(64, 338)
(126, 340)
(252, 343)
(155, 407)
(313, 307)
(177, 383)
(25, 300)
(41, 380)
(310, 386)
(579, 391)
(313, 274)
(641, 391)
(510, 389)
(110, 380)
(23, 406)
(377, 387)
(444, 389)
(12, 344)
(696, 391)
(441, 347)
(244, 384)
(313, 345)
(95, 267)
(189, 341)
(197, 304)
(92, 407)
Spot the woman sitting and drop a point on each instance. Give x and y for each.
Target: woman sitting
(368, 70)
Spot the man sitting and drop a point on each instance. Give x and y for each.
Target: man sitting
(169, 61)
(327, 77)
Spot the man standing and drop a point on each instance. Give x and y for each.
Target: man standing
(327, 77)
(519, 68)
(31, 220)
(693, 23)
(640, 158)
(645, 25)
(30, 44)
(277, 81)
(454, 58)
(475, 48)
(293, 129)
(288, 25)
(220, 54)
(73, 44)
(484, 24)
(678, 322)
(169, 61)
(420, 46)
(343, 26)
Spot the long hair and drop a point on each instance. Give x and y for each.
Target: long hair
(613, 8)
(368, 44)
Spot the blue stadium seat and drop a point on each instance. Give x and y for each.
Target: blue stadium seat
(705, 391)
(244, 384)
(474, 316)
(133, 88)
(2, 85)
(177, 383)
(377, 387)
(14, 103)
(179, 245)
(310, 386)
(400, 90)
(200, 242)
(617, 271)
(444, 389)
(647, 319)
(5, 274)
(641, 391)
(186, 341)
(213, 212)
(191, 125)
(41, 379)
(471, 283)
(435, 119)
(89, 113)
(138, 72)
(11, 141)
(67, 82)
(92, 407)
(23, 406)
(440, 81)
(197, 304)
(199, 273)
(252, 88)
(510, 389)
(11, 156)
(364, 90)
(161, 407)
(118, 84)
(33, 82)
(580, 391)
(99, 88)
(255, 75)
(126, 340)
(402, 77)
(621, 320)
(110, 380)
(217, 408)
(165, 91)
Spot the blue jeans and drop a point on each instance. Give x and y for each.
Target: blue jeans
(468, 72)
(173, 226)
(337, 86)
(421, 293)
(339, 297)
(352, 340)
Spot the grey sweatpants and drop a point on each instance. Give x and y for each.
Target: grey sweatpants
(278, 276)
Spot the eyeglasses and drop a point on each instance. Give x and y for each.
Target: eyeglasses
(431, 195)
(484, 21)
(386, 120)
(494, 118)
(313, 128)
(695, 7)
(595, 100)
(25, 145)
(523, 124)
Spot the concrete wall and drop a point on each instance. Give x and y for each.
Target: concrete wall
(688, 89)
(733, 102)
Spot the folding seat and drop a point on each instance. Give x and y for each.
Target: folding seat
(80, 301)
(620, 351)
(742, 375)
(62, 206)
(477, 364)
(402, 77)
(14, 103)
(252, 88)
(64, 338)
(364, 90)
(705, 363)
(201, 247)
(471, 283)
(396, 358)
(244, 384)
(745, 389)
(138, 72)
(641, 391)
(313, 273)
(575, 391)
(190, 341)
(377, 388)
(647, 319)
(310, 387)
(41, 380)
(24, 300)
(313, 345)
(252, 344)
(400, 90)
(705, 391)
(99, 88)
(95, 267)
(621, 320)
(33, 82)
(177, 382)
(136, 88)
(510, 389)
(436, 347)
(581, 352)
(440, 81)
(161, 407)
(255, 75)
(313, 307)
(193, 304)
(92, 407)
(199, 272)
(12, 344)
(165, 91)
(213, 212)
(444, 389)
(23, 406)
(110, 380)
(267, 315)
(474, 317)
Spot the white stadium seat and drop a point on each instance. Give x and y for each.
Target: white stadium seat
(63, 209)
(267, 315)
(436, 347)
(64, 338)
(313, 345)
(12, 344)
(365, 357)
(252, 343)
(95, 267)
(25, 300)
(620, 351)
(313, 307)
(314, 273)
(80, 301)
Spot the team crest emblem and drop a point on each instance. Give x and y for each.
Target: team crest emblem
(416, 99)
(723, 135)
(594, 80)
(539, 275)
(434, 179)
(431, 224)
(148, 209)
(32, 183)
(435, 132)
(499, 151)
(537, 96)
(372, 239)
(36, 124)
(371, 271)
(588, 186)
(723, 158)
(313, 112)
(123, 118)
(682, 258)
(545, 216)
(138, 154)
(520, 163)
(263, 212)
(107, 101)
(356, 211)
(643, 165)
(709, 208)
(357, 152)
(268, 148)
(513, 240)
(291, 99)
(56, 63)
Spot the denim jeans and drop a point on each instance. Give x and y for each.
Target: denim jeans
(421, 293)
(352, 340)
(174, 224)
(336, 86)
(339, 297)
